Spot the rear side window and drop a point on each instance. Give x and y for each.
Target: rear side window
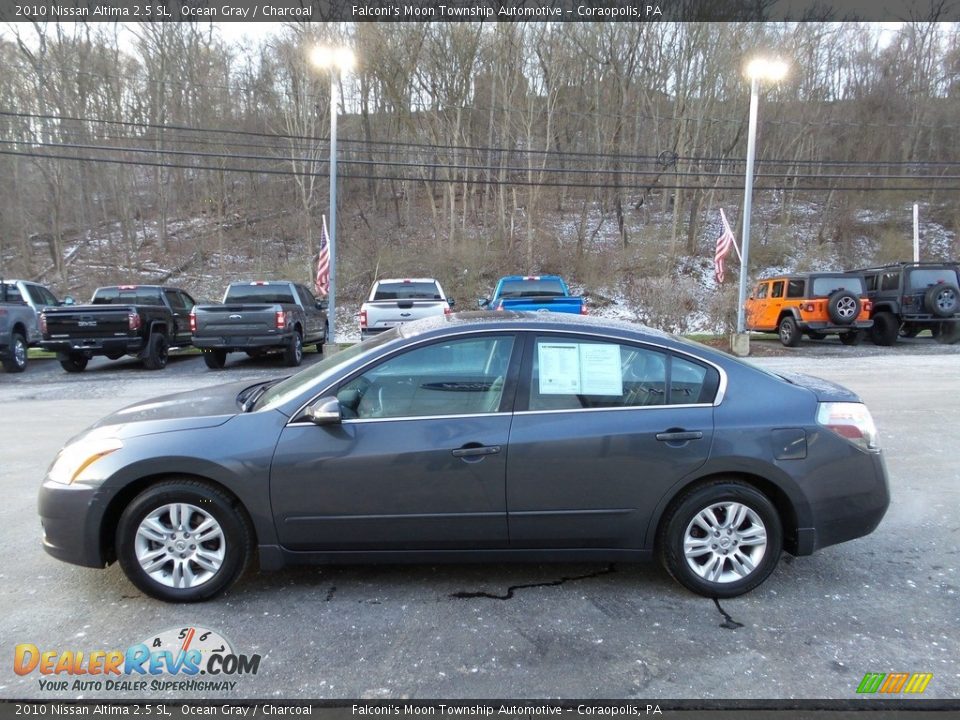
(795, 288)
(890, 281)
(569, 374)
(11, 294)
(777, 290)
(408, 291)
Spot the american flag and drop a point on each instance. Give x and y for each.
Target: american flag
(724, 243)
(322, 283)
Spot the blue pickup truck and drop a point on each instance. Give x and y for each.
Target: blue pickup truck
(526, 293)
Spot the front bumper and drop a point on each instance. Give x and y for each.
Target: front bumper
(70, 516)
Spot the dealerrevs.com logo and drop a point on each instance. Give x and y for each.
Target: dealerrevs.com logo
(181, 659)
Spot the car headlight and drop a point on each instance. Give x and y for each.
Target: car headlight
(75, 459)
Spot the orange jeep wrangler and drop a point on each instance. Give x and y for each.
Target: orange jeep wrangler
(818, 304)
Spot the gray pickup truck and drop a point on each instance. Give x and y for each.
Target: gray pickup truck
(21, 303)
(397, 301)
(258, 318)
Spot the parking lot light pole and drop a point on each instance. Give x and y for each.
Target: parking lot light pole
(757, 70)
(336, 60)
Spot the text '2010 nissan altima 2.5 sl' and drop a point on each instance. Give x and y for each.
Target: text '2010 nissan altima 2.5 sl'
(474, 437)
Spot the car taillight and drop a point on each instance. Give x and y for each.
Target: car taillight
(193, 322)
(363, 319)
(43, 322)
(447, 310)
(583, 309)
(867, 305)
(133, 321)
(281, 319)
(908, 299)
(851, 421)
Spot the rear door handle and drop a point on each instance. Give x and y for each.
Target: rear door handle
(475, 451)
(679, 436)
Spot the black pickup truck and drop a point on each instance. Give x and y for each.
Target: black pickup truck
(257, 318)
(145, 321)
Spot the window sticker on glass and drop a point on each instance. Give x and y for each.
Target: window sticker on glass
(579, 369)
(559, 368)
(600, 372)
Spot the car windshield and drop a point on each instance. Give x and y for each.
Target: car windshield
(931, 276)
(296, 384)
(531, 288)
(255, 294)
(823, 286)
(408, 291)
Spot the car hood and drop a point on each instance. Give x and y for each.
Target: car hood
(195, 409)
(825, 390)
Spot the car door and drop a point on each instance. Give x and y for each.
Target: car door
(602, 429)
(312, 316)
(754, 307)
(418, 461)
(181, 316)
(771, 317)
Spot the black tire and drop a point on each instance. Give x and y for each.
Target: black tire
(788, 331)
(851, 337)
(74, 362)
(946, 333)
(942, 300)
(814, 335)
(16, 360)
(293, 352)
(215, 359)
(885, 328)
(235, 541)
(843, 307)
(156, 355)
(713, 500)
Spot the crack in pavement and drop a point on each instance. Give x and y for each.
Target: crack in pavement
(728, 623)
(464, 595)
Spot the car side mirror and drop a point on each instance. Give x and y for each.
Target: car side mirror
(483, 302)
(325, 411)
(323, 304)
(68, 301)
(451, 302)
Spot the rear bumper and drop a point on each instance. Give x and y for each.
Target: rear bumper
(863, 504)
(829, 327)
(370, 332)
(97, 346)
(70, 517)
(247, 342)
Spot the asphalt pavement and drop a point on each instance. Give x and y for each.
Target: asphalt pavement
(886, 603)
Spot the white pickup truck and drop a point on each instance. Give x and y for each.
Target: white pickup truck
(397, 301)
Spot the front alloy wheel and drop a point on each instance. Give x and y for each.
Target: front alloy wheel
(183, 541)
(721, 539)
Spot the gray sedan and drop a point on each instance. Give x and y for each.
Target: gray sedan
(475, 437)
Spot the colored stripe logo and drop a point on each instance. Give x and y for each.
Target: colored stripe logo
(894, 683)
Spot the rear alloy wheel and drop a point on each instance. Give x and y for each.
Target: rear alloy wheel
(293, 352)
(156, 357)
(851, 337)
(885, 328)
(183, 541)
(788, 331)
(16, 361)
(721, 540)
(843, 307)
(942, 300)
(215, 359)
(74, 362)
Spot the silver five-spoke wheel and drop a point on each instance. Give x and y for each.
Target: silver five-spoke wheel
(725, 542)
(180, 546)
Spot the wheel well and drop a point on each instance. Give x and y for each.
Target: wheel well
(784, 313)
(780, 500)
(111, 517)
(19, 328)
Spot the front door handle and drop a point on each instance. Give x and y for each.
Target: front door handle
(679, 436)
(481, 450)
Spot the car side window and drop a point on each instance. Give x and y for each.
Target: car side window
(890, 281)
(455, 377)
(761, 291)
(777, 289)
(569, 374)
(795, 288)
(176, 302)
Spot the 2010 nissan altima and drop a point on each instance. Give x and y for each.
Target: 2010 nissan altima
(475, 437)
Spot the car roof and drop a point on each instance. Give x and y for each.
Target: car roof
(804, 276)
